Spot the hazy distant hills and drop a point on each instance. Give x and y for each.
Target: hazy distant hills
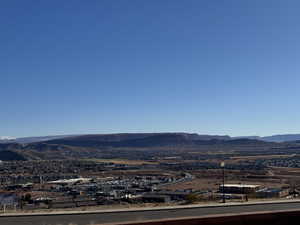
(84, 140)
(282, 138)
(135, 139)
(130, 145)
(274, 138)
(149, 140)
(6, 139)
(26, 140)
(106, 137)
(130, 136)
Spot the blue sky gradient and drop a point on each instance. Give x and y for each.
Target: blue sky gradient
(211, 67)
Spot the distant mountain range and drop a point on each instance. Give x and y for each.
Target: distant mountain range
(137, 145)
(125, 145)
(6, 138)
(26, 140)
(107, 137)
(282, 138)
(274, 138)
(127, 136)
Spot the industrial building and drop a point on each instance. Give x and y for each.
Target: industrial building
(239, 188)
(272, 193)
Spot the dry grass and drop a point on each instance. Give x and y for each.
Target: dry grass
(261, 157)
(123, 161)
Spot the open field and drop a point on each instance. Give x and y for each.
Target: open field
(213, 183)
(253, 157)
(123, 161)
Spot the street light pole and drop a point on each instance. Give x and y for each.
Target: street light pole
(223, 186)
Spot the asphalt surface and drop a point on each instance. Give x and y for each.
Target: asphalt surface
(155, 214)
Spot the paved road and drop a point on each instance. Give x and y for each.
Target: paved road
(123, 216)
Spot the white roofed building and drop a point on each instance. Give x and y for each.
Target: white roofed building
(240, 188)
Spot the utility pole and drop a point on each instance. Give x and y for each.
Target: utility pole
(223, 186)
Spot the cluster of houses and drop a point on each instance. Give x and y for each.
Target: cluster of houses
(77, 192)
(38, 185)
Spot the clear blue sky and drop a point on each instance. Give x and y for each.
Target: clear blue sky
(212, 66)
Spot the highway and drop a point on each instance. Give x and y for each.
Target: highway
(114, 216)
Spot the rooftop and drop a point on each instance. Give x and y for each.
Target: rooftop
(70, 181)
(241, 185)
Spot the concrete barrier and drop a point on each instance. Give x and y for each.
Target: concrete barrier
(261, 218)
